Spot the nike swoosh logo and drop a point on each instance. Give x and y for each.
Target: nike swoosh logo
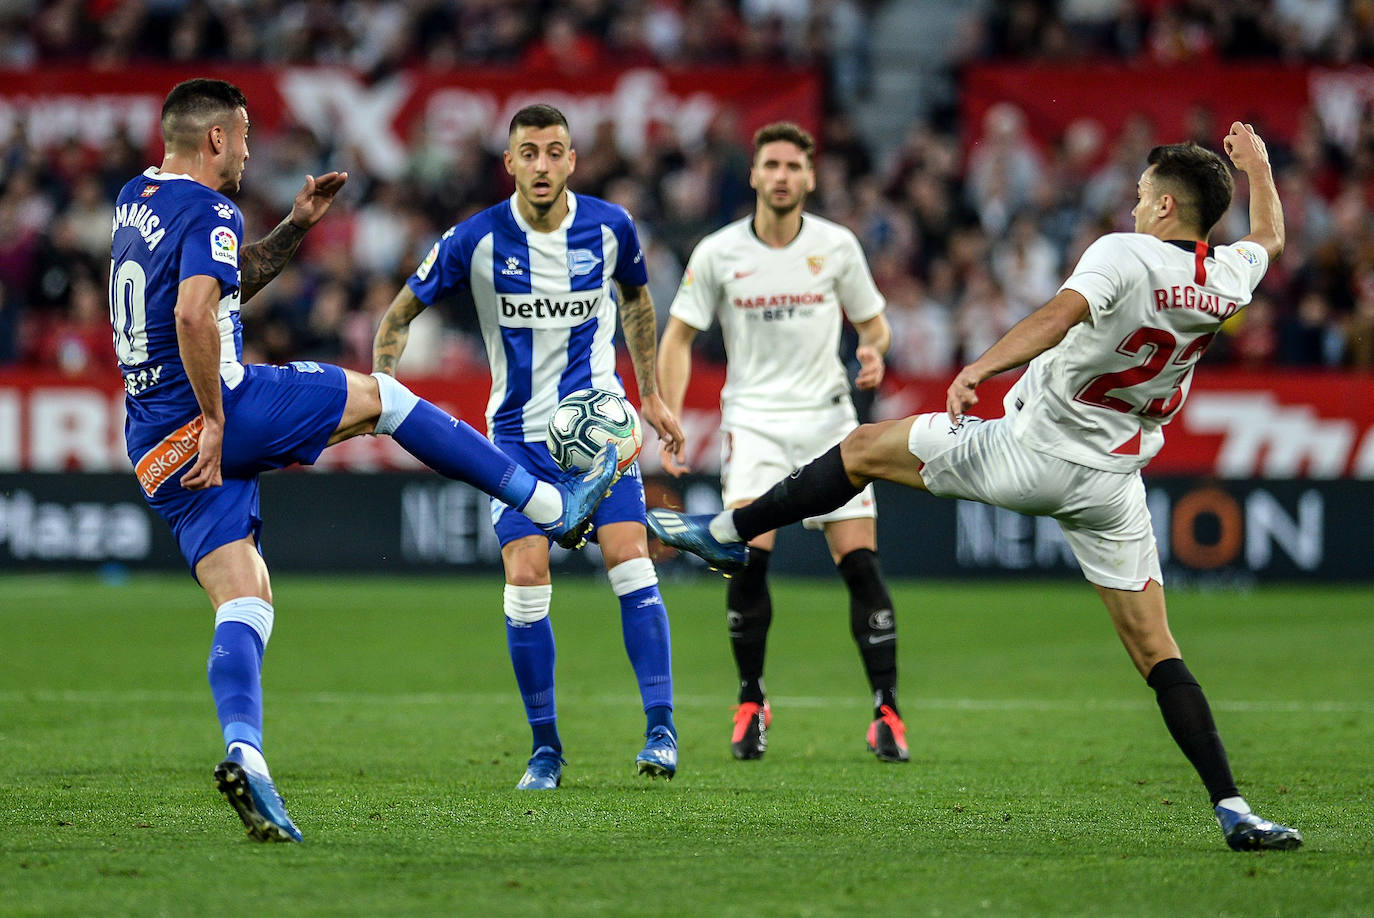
(881, 638)
(740, 274)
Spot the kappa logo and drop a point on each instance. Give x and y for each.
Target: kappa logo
(512, 268)
(224, 245)
(224, 210)
(582, 262)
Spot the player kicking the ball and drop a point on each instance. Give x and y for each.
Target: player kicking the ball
(1111, 358)
(202, 425)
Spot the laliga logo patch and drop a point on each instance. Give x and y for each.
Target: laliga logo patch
(582, 262)
(224, 210)
(687, 279)
(422, 272)
(1248, 255)
(224, 245)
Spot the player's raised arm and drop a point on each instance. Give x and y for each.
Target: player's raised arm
(638, 319)
(674, 373)
(394, 330)
(1023, 342)
(198, 340)
(263, 260)
(875, 337)
(1249, 154)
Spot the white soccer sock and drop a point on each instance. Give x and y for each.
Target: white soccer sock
(252, 758)
(397, 401)
(526, 605)
(1235, 805)
(723, 527)
(545, 504)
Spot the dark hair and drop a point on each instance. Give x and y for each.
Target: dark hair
(784, 130)
(193, 106)
(538, 116)
(1197, 178)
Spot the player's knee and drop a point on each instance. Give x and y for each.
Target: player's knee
(861, 451)
(526, 605)
(632, 575)
(393, 402)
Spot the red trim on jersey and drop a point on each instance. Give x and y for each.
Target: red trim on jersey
(1130, 448)
(1200, 269)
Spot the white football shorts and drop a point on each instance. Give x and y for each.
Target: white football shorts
(1103, 514)
(759, 450)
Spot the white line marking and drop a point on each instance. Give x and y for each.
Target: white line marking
(459, 699)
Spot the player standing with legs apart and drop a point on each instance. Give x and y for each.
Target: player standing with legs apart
(202, 425)
(777, 282)
(1111, 359)
(543, 268)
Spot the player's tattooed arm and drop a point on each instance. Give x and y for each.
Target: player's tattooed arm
(640, 325)
(394, 331)
(263, 260)
(641, 328)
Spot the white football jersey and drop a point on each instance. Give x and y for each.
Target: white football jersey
(1102, 396)
(779, 310)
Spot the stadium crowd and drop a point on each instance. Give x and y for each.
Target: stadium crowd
(962, 242)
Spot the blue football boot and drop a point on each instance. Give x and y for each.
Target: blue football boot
(545, 771)
(1248, 832)
(658, 758)
(254, 797)
(582, 494)
(692, 532)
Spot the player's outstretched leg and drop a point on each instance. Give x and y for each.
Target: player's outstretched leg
(692, 533)
(456, 450)
(814, 489)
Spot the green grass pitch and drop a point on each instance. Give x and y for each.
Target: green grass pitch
(1042, 780)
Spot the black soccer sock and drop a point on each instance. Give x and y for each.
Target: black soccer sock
(750, 612)
(872, 623)
(1189, 720)
(815, 488)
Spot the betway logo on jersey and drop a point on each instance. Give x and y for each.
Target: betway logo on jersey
(773, 301)
(546, 311)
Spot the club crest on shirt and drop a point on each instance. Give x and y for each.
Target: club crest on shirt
(149, 191)
(224, 245)
(582, 262)
(815, 263)
(512, 268)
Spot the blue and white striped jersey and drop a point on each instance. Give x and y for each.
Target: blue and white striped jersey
(545, 302)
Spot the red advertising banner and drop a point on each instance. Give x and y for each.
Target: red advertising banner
(1235, 425)
(1274, 97)
(382, 119)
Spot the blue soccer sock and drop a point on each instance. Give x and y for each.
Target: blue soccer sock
(242, 629)
(449, 446)
(644, 626)
(529, 635)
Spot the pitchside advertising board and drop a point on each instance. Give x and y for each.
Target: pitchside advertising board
(1264, 477)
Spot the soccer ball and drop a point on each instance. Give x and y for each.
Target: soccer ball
(586, 420)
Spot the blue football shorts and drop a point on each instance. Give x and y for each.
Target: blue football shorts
(625, 505)
(276, 416)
